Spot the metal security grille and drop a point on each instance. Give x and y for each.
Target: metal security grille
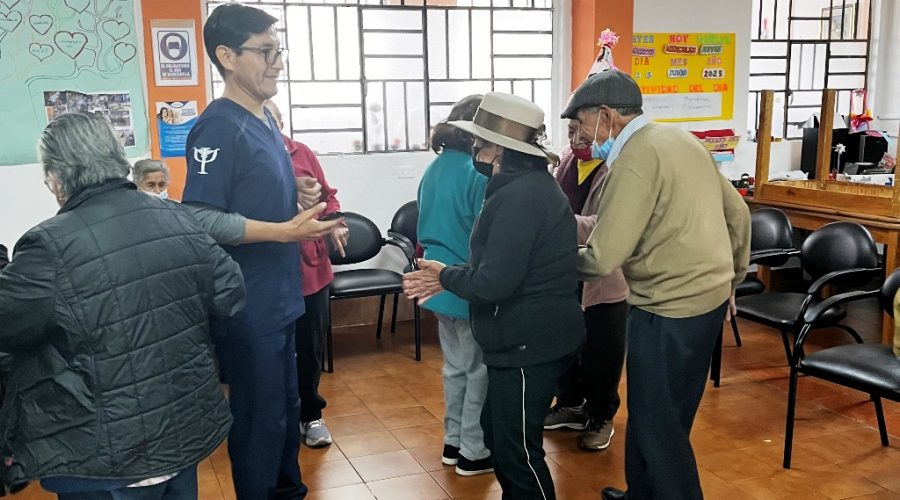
(799, 48)
(370, 76)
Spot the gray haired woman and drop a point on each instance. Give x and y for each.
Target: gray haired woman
(112, 388)
(151, 177)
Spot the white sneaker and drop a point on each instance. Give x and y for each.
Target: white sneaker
(315, 433)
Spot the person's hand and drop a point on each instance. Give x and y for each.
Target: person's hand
(731, 312)
(424, 283)
(305, 227)
(339, 238)
(309, 191)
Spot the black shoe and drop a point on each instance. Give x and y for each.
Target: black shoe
(467, 467)
(610, 493)
(450, 456)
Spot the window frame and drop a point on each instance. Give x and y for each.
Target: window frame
(552, 80)
(794, 44)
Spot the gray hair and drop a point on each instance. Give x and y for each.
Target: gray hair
(81, 150)
(142, 168)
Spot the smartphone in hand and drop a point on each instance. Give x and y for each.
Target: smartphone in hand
(331, 216)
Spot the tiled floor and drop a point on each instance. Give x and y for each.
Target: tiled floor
(385, 411)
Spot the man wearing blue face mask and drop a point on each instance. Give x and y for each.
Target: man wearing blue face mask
(681, 234)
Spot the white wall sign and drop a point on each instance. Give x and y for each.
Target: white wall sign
(174, 52)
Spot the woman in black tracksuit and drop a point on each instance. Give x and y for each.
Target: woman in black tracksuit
(520, 282)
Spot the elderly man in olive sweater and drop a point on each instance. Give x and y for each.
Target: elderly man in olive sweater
(681, 234)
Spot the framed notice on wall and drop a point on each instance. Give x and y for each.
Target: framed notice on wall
(685, 76)
(174, 52)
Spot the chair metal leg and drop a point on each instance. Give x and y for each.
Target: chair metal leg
(789, 425)
(329, 343)
(787, 345)
(715, 372)
(380, 317)
(853, 333)
(394, 313)
(418, 327)
(734, 329)
(879, 412)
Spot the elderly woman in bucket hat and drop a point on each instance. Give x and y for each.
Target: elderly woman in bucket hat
(520, 282)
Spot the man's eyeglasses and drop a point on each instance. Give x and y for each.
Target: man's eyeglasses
(270, 55)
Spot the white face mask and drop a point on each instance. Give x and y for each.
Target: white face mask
(162, 195)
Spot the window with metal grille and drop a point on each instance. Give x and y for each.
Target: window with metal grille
(800, 47)
(371, 76)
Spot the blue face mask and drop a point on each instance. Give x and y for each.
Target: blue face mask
(601, 151)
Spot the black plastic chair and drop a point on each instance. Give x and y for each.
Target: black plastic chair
(771, 230)
(404, 227)
(365, 243)
(870, 368)
(840, 254)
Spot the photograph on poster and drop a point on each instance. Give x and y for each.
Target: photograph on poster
(114, 106)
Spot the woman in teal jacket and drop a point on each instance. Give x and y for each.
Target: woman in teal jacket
(450, 198)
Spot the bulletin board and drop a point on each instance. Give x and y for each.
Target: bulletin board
(63, 56)
(685, 76)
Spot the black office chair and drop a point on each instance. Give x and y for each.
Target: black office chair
(840, 254)
(771, 230)
(870, 368)
(365, 243)
(404, 227)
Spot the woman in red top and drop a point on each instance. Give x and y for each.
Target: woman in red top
(315, 268)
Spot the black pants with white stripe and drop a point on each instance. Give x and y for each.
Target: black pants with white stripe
(513, 419)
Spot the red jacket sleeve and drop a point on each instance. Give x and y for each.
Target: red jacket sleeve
(307, 165)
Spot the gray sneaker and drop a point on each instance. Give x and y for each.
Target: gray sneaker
(315, 433)
(569, 417)
(597, 435)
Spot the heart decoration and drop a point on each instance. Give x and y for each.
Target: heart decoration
(9, 4)
(10, 21)
(124, 51)
(115, 29)
(70, 44)
(40, 51)
(78, 6)
(40, 24)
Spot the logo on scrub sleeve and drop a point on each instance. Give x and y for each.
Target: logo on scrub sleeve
(203, 156)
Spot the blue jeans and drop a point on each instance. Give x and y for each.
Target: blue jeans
(465, 387)
(181, 487)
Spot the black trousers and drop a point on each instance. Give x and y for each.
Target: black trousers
(310, 331)
(513, 419)
(668, 364)
(593, 377)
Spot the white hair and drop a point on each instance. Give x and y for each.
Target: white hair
(81, 150)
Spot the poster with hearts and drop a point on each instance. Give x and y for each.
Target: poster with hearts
(88, 48)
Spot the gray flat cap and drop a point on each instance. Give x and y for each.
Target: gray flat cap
(608, 88)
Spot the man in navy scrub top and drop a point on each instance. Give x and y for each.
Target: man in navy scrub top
(237, 163)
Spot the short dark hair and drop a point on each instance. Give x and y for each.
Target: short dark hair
(446, 136)
(231, 25)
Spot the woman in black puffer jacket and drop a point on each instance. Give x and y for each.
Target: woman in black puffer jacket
(105, 310)
(521, 285)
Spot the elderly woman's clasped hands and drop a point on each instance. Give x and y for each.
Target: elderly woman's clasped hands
(424, 283)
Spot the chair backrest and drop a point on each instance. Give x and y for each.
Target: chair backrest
(771, 230)
(888, 290)
(838, 246)
(406, 221)
(364, 243)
